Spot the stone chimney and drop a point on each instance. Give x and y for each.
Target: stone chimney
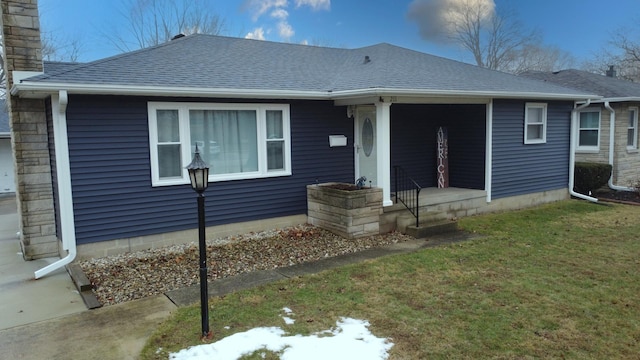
(612, 71)
(29, 132)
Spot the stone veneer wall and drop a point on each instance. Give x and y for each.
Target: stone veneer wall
(626, 170)
(34, 191)
(350, 214)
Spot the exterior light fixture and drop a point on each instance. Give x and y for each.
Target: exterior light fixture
(199, 176)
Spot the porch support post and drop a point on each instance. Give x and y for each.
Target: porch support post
(383, 144)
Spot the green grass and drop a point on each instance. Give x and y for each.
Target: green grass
(557, 281)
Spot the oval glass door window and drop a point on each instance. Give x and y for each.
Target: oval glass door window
(367, 137)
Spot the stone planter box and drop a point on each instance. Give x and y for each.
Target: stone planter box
(348, 213)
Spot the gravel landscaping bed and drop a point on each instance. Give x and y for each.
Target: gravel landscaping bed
(136, 275)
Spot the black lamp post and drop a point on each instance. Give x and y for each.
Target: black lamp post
(199, 175)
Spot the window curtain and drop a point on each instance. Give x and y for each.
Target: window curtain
(227, 139)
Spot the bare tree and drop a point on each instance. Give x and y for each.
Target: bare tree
(57, 49)
(496, 40)
(538, 57)
(152, 22)
(622, 53)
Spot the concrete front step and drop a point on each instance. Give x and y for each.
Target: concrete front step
(436, 228)
(407, 219)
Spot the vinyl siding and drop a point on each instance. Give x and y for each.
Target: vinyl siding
(523, 169)
(414, 129)
(111, 173)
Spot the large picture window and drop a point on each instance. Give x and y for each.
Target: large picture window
(535, 123)
(589, 130)
(238, 141)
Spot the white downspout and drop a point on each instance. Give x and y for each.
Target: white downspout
(572, 152)
(59, 113)
(612, 130)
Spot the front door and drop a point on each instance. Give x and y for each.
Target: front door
(365, 145)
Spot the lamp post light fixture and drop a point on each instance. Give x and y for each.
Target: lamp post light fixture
(199, 176)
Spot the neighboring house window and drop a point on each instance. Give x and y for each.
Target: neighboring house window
(589, 130)
(535, 121)
(238, 141)
(632, 129)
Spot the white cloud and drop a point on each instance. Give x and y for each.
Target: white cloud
(437, 18)
(280, 14)
(261, 7)
(285, 30)
(256, 34)
(277, 9)
(314, 4)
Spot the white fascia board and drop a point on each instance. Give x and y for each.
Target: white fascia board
(346, 94)
(617, 99)
(30, 89)
(19, 75)
(40, 89)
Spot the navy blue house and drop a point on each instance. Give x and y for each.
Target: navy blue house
(264, 116)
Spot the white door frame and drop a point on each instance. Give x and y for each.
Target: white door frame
(383, 148)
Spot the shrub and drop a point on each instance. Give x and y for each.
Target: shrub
(590, 176)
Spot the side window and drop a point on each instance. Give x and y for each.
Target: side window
(632, 129)
(169, 147)
(589, 130)
(535, 123)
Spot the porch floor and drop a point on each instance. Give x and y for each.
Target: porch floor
(434, 196)
(435, 205)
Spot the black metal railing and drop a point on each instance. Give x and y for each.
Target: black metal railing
(407, 192)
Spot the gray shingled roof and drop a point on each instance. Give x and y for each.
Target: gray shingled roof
(608, 87)
(55, 67)
(215, 62)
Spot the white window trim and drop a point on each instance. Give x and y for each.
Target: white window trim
(635, 129)
(542, 106)
(595, 148)
(185, 140)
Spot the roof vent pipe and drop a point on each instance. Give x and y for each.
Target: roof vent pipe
(612, 71)
(367, 59)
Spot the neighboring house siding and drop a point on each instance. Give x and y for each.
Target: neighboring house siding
(413, 142)
(523, 169)
(110, 171)
(602, 154)
(626, 162)
(626, 170)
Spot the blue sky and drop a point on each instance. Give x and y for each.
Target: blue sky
(580, 27)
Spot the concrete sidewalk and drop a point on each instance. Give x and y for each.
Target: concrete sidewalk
(23, 299)
(120, 331)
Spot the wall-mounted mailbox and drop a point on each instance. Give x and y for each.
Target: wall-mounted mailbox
(337, 140)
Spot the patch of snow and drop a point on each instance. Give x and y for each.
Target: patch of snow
(288, 320)
(351, 339)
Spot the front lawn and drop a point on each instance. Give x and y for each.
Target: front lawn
(557, 281)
